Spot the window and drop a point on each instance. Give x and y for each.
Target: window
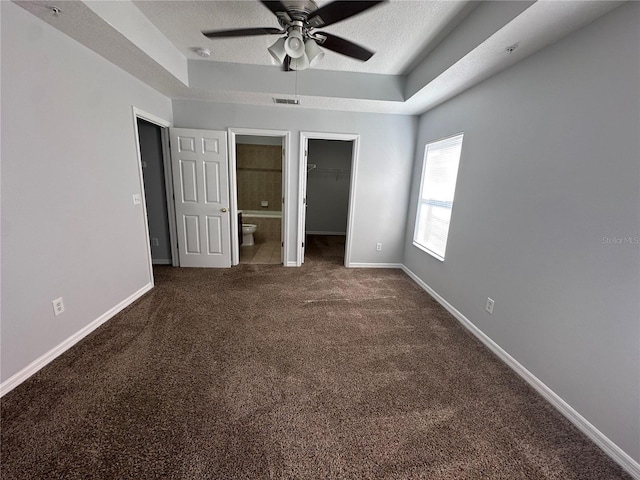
(439, 173)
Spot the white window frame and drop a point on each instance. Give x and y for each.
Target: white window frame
(445, 199)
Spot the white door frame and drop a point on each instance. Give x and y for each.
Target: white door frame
(233, 187)
(164, 129)
(302, 188)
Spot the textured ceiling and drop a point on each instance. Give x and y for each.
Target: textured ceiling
(398, 31)
(427, 50)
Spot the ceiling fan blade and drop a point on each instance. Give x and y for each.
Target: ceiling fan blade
(277, 8)
(241, 32)
(337, 11)
(345, 47)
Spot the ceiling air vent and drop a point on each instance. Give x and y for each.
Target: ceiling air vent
(287, 101)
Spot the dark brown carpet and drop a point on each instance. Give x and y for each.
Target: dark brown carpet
(266, 372)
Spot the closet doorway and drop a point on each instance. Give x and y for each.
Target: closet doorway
(155, 193)
(152, 147)
(327, 180)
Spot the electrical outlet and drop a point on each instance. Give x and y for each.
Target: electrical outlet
(58, 306)
(378, 247)
(155, 242)
(137, 199)
(489, 305)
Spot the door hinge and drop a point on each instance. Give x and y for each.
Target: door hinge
(283, 244)
(306, 153)
(302, 244)
(282, 199)
(304, 201)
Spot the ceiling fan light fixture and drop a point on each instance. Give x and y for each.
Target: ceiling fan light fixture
(300, 63)
(277, 51)
(313, 51)
(294, 44)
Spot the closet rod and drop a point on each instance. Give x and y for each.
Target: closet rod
(313, 166)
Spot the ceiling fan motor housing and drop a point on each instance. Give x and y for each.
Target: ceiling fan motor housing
(298, 10)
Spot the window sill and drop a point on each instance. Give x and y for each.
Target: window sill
(425, 249)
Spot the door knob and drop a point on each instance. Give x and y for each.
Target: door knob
(223, 210)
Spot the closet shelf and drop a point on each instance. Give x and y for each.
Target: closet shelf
(313, 166)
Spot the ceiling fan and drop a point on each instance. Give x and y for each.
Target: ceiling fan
(298, 48)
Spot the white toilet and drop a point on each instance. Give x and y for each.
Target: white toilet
(248, 229)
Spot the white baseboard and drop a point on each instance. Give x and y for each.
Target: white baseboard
(289, 263)
(161, 261)
(15, 380)
(316, 232)
(374, 265)
(610, 448)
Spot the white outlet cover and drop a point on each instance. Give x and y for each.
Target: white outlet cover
(489, 305)
(137, 199)
(58, 306)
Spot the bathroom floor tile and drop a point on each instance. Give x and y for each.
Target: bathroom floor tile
(262, 253)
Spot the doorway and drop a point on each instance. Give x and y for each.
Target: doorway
(327, 192)
(151, 135)
(151, 158)
(258, 167)
(259, 194)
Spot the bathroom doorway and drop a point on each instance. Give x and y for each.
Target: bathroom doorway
(258, 162)
(327, 192)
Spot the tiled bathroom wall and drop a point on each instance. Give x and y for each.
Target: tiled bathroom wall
(259, 174)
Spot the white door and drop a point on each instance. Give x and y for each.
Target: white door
(200, 170)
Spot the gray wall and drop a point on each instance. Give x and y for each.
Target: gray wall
(328, 192)
(549, 171)
(154, 190)
(69, 169)
(386, 156)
